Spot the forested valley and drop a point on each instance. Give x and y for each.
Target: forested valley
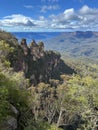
(40, 90)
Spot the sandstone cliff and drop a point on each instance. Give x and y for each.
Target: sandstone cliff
(37, 64)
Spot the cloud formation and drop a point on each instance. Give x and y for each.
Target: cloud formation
(85, 18)
(29, 6)
(46, 8)
(17, 20)
(50, 5)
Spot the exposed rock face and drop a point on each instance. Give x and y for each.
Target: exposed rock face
(24, 47)
(40, 65)
(37, 64)
(14, 110)
(36, 51)
(12, 123)
(67, 127)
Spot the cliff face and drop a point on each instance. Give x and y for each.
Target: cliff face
(37, 64)
(9, 38)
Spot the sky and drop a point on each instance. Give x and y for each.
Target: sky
(48, 15)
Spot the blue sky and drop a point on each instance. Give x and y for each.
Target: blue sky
(49, 15)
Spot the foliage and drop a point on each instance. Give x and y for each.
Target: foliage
(39, 125)
(10, 93)
(54, 127)
(4, 104)
(72, 100)
(5, 49)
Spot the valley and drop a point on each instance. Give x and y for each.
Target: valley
(75, 44)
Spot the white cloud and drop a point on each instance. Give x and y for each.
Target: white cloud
(26, 23)
(41, 18)
(85, 18)
(89, 17)
(29, 6)
(45, 8)
(17, 20)
(86, 10)
(69, 14)
(69, 11)
(63, 19)
(42, 22)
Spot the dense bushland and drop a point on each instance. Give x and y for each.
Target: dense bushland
(69, 102)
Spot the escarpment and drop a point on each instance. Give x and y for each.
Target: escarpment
(37, 64)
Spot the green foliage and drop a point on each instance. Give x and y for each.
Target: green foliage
(72, 99)
(83, 90)
(54, 127)
(5, 49)
(76, 95)
(4, 104)
(10, 93)
(18, 98)
(39, 125)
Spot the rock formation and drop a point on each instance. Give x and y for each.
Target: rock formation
(24, 46)
(37, 64)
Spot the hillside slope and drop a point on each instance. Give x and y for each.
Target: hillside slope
(36, 63)
(77, 44)
(51, 99)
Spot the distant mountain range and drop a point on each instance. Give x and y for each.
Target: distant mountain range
(37, 36)
(77, 44)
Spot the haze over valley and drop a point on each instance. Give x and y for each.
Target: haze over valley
(49, 65)
(76, 44)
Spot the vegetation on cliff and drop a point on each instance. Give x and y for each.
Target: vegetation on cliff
(39, 91)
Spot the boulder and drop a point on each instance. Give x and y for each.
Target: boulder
(10, 123)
